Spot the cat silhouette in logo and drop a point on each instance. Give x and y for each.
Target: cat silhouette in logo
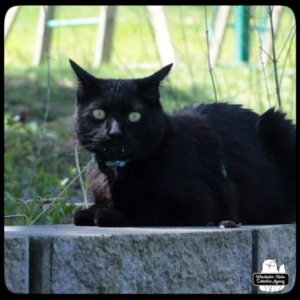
(270, 266)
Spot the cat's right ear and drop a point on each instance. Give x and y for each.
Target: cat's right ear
(152, 82)
(84, 78)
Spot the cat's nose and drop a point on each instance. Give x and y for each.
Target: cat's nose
(114, 131)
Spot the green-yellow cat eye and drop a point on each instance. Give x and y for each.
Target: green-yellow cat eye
(134, 116)
(99, 114)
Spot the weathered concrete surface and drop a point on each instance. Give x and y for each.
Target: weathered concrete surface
(69, 259)
(16, 263)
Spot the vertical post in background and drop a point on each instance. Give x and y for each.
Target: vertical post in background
(241, 33)
(105, 35)
(9, 19)
(43, 38)
(219, 26)
(164, 42)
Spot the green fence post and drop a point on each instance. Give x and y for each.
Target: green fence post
(241, 33)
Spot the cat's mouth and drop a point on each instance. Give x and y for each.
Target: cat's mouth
(114, 152)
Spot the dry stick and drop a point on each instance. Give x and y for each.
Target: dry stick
(38, 153)
(265, 75)
(208, 57)
(274, 58)
(46, 111)
(48, 100)
(80, 177)
(290, 33)
(58, 196)
(289, 49)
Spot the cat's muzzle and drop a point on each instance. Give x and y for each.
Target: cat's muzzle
(113, 152)
(113, 149)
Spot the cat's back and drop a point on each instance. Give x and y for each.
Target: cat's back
(222, 113)
(222, 117)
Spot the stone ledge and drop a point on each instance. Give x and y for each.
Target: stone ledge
(70, 259)
(16, 263)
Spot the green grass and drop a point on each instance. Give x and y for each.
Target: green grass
(29, 176)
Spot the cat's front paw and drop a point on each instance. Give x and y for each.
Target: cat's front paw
(84, 218)
(110, 218)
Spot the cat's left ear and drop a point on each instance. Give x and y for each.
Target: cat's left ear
(83, 76)
(151, 82)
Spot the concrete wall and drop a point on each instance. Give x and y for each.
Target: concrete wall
(69, 259)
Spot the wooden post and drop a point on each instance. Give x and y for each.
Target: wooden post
(9, 19)
(43, 34)
(219, 30)
(267, 44)
(162, 34)
(105, 34)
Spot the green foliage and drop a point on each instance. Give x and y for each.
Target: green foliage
(28, 210)
(31, 179)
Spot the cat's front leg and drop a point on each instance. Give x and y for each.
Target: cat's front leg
(110, 218)
(86, 217)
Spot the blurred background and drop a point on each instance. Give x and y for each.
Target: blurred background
(220, 53)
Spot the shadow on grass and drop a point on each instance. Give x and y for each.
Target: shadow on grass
(23, 93)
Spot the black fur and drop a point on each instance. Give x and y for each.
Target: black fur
(203, 164)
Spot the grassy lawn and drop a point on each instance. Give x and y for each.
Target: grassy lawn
(39, 156)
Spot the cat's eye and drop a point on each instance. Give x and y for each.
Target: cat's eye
(134, 116)
(99, 114)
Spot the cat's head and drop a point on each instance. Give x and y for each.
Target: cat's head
(269, 265)
(119, 119)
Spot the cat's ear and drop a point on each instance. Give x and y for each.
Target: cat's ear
(151, 82)
(84, 78)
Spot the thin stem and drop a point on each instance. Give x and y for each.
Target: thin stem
(290, 33)
(48, 98)
(274, 58)
(289, 49)
(208, 56)
(261, 59)
(55, 199)
(80, 177)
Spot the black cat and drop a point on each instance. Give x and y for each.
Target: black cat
(203, 164)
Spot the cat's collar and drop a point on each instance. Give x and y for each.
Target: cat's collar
(113, 163)
(117, 163)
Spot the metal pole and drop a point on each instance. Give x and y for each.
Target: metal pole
(241, 33)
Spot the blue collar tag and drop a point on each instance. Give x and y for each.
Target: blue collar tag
(120, 163)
